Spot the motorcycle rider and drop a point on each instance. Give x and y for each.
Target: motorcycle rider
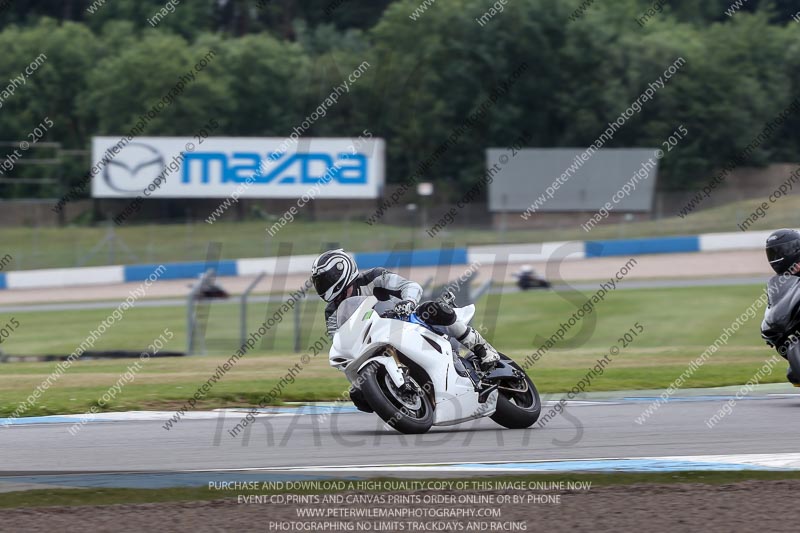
(783, 254)
(335, 277)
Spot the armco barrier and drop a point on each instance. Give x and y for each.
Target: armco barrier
(487, 254)
(73, 277)
(407, 258)
(64, 277)
(178, 270)
(665, 245)
(483, 255)
(718, 242)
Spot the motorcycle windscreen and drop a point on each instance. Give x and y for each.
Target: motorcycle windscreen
(347, 308)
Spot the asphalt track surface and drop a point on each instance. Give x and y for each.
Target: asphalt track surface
(197, 450)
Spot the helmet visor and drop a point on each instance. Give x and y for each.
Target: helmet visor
(329, 284)
(783, 256)
(323, 282)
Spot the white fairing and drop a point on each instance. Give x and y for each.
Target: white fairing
(465, 314)
(364, 337)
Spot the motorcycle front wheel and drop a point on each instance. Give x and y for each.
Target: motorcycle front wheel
(408, 410)
(518, 403)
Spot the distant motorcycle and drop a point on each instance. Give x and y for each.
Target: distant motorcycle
(781, 325)
(528, 279)
(414, 378)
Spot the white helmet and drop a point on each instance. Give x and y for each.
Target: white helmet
(332, 272)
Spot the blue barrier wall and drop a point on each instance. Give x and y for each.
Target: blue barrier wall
(422, 258)
(178, 270)
(417, 258)
(664, 245)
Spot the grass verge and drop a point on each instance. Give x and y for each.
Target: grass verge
(43, 247)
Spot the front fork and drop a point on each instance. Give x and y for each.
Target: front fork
(483, 389)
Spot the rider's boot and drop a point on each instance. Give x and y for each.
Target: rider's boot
(474, 341)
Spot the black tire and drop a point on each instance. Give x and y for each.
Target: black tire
(357, 397)
(793, 356)
(517, 410)
(410, 416)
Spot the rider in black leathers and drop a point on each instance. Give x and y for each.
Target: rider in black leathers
(781, 325)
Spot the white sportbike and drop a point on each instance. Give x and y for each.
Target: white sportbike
(413, 377)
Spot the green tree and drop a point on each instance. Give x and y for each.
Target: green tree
(265, 85)
(124, 87)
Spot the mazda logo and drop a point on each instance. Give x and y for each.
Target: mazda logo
(135, 167)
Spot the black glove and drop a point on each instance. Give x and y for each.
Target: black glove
(405, 308)
(448, 297)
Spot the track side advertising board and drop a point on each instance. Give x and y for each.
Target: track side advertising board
(342, 168)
